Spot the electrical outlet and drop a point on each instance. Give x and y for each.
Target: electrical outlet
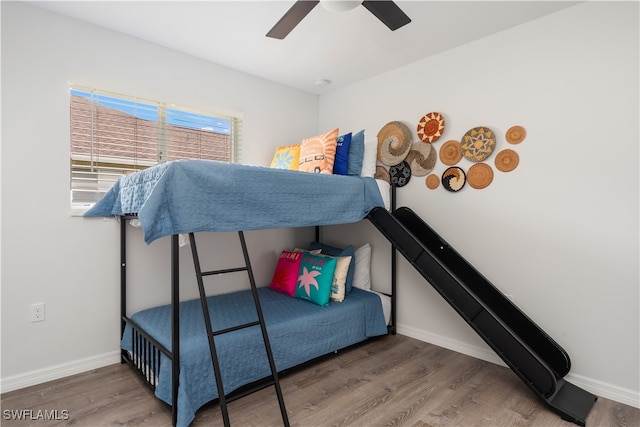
(37, 312)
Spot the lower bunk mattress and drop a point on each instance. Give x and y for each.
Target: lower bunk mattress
(298, 332)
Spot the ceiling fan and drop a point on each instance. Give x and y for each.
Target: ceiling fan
(386, 11)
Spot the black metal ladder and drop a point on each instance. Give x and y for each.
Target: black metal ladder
(211, 333)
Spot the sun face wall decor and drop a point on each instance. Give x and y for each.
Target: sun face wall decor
(430, 127)
(400, 158)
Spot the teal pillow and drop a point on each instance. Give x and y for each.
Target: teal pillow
(356, 154)
(341, 162)
(332, 251)
(315, 278)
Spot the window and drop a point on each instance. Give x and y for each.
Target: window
(114, 134)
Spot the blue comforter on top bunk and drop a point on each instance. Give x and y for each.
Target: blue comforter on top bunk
(298, 332)
(198, 195)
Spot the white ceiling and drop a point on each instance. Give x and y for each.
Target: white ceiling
(340, 47)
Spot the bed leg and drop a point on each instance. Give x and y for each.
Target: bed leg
(394, 268)
(123, 275)
(175, 325)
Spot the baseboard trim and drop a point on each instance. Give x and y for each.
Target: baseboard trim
(599, 388)
(40, 376)
(446, 342)
(606, 390)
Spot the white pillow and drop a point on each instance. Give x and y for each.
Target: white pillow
(370, 158)
(362, 270)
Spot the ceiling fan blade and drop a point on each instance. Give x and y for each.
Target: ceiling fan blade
(289, 20)
(388, 12)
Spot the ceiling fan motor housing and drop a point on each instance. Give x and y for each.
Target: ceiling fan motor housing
(340, 5)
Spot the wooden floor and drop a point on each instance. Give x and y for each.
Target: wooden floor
(390, 381)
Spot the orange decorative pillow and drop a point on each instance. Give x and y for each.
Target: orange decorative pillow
(318, 153)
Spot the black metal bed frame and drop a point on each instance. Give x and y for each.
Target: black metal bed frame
(146, 354)
(525, 348)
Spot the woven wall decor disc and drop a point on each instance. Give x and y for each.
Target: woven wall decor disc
(450, 152)
(478, 143)
(432, 181)
(382, 173)
(479, 176)
(515, 134)
(507, 160)
(430, 127)
(394, 143)
(453, 179)
(421, 158)
(400, 174)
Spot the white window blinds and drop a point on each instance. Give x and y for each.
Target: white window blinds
(114, 134)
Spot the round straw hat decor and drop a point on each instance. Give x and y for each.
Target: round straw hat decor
(479, 176)
(421, 158)
(450, 152)
(382, 173)
(453, 179)
(515, 134)
(478, 143)
(400, 174)
(394, 143)
(432, 181)
(507, 160)
(430, 127)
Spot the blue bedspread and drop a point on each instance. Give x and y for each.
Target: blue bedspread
(199, 195)
(298, 331)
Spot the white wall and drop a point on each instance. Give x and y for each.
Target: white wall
(71, 264)
(559, 233)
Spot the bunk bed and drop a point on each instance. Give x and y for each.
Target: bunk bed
(258, 332)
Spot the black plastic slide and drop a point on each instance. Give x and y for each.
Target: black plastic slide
(534, 356)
